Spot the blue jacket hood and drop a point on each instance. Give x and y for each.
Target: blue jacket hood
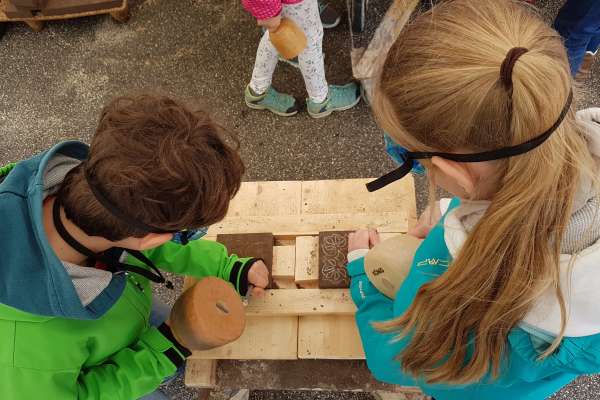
(32, 278)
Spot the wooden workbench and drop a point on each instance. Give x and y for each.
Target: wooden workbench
(299, 327)
(120, 14)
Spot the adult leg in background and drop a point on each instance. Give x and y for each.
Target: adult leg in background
(578, 22)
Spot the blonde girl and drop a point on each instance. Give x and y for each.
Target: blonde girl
(502, 300)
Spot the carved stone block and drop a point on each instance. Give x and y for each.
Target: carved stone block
(333, 250)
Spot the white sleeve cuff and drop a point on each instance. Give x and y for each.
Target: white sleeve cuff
(444, 205)
(356, 254)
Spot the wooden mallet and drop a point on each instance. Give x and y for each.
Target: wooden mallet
(207, 315)
(389, 262)
(288, 39)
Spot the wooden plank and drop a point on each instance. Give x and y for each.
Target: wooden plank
(284, 266)
(266, 199)
(312, 224)
(402, 393)
(307, 268)
(3, 16)
(336, 375)
(351, 196)
(284, 262)
(31, 4)
(62, 7)
(265, 338)
(278, 303)
(332, 337)
(201, 373)
(13, 11)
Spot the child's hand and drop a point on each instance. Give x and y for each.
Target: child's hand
(426, 222)
(258, 276)
(270, 23)
(363, 239)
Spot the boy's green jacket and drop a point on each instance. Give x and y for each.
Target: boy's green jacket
(60, 336)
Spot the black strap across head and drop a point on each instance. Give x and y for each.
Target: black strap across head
(490, 155)
(100, 195)
(155, 276)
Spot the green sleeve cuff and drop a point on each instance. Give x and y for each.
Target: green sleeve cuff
(239, 274)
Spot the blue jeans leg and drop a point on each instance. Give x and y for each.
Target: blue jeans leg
(159, 314)
(578, 22)
(594, 44)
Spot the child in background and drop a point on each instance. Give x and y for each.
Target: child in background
(323, 99)
(501, 301)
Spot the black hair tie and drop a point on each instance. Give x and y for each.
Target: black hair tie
(506, 69)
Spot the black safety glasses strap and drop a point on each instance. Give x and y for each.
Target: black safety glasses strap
(390, 177)
(113, 209)
(155, 276)
(490, 155)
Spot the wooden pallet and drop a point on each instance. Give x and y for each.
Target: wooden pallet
(300, 321)
(120, 14)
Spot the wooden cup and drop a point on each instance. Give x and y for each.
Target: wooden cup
(288, 39)
(207, 315)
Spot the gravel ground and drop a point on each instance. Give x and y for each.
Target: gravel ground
(53, 83)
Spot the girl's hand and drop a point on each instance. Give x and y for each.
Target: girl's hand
(270, 23)
(426, 222)
(258, 277)
(363, 239)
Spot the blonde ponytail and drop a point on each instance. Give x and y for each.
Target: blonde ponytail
(441, 90)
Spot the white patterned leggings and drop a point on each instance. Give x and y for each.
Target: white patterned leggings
(306, 15)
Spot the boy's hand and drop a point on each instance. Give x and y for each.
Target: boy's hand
(426, 222)
(258, 276)
(363, 239)
(270, 23)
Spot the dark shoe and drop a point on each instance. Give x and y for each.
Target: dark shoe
(585, 70)
(330, 17)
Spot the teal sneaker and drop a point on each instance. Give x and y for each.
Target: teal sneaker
(281, 104)
(340, 98)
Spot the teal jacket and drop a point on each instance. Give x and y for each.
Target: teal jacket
(521, 377)
(52, 345)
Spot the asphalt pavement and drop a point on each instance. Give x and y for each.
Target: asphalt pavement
(53, 84)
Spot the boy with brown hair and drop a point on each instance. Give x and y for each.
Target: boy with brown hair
(83, 231)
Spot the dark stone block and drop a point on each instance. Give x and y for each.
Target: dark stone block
(256, 245)
(63, 7)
